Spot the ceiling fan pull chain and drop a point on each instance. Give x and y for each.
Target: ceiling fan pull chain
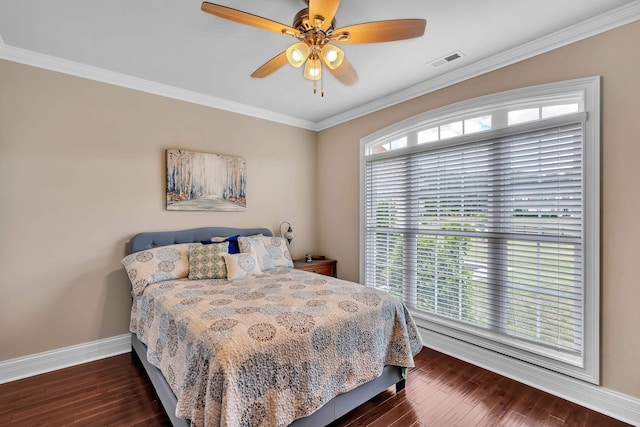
(322, 85)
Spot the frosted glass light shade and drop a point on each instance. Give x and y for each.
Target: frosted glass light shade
(332, 56)
(297, 53)
(313, 69)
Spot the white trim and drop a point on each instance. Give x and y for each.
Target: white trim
(90, 72)
(34, 364)
(591, 27)
(615, 18)
(587, 367)
(482, 104)
(617, 405)
(609, 402)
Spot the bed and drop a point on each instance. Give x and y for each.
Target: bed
(277, 347)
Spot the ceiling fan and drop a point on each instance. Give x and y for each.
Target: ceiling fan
(314, 27)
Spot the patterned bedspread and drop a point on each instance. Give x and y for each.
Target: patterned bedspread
(269, 349)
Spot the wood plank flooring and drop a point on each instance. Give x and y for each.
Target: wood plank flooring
(441, 391)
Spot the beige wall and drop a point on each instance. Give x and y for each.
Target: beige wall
(82, 170)
(613, 55)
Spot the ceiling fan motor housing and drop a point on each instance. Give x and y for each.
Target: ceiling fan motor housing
(302, 24)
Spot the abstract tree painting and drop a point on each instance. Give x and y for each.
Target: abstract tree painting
(205, 182)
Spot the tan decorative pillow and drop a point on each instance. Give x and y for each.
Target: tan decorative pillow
(157, 265)
(206, 262)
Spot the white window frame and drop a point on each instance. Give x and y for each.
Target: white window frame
(588, 90)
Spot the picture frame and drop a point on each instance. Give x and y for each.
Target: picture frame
(205, 182)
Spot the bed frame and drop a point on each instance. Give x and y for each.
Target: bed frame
(331, 411)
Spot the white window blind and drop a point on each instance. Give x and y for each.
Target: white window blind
(486, 233)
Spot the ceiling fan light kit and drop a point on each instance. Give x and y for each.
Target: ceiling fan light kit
(313, 69)
(332, 56)
(314, 27)
(297, 54)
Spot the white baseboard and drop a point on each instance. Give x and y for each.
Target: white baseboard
(617, 405)
(609, 402)
(28, 366)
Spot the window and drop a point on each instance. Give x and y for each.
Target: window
(485, 222)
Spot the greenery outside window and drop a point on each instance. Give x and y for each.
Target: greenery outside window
(483, 217)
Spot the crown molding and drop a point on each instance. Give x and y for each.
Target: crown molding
(588, 28)
(607, 21)
(48, 62)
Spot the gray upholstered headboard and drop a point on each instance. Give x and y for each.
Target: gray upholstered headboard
(149, 240)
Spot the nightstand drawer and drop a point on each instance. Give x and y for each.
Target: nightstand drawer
(325, 266)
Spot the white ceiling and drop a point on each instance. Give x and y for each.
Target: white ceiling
(175, 49)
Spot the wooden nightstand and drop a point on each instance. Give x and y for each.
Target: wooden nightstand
(320, 266)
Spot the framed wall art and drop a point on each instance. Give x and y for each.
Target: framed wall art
(205, 182)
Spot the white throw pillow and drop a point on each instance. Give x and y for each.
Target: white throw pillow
(278, 251)
(255, 245)
(157, 265)
(241, 265)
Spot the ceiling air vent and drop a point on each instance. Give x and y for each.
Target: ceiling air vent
(446, 59)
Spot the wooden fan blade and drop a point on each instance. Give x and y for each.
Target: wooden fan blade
(345, 73)
(324, 8)
(382, 31)
(248, 19)
(271, 65)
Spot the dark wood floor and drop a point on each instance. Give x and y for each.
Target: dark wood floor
(441, 391)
